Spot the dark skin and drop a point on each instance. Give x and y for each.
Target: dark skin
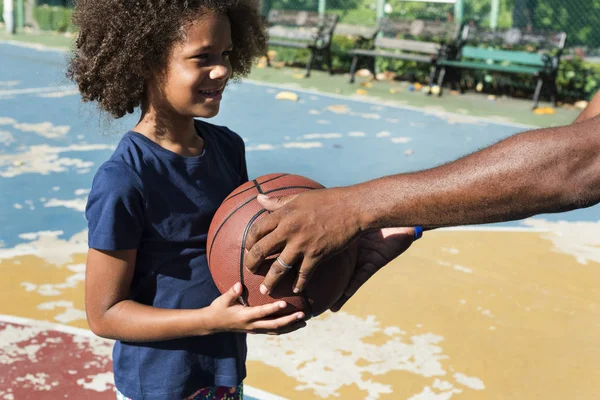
(592, 109)
(542, 171)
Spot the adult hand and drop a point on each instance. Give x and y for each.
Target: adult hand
(305, 228)
(375, 250)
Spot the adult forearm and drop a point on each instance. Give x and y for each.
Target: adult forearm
(543, 171)
(135, 322)
(592, 109)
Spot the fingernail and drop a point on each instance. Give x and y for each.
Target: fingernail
(297, 290)
(263, 197)
(282, 304)
(300, 316)
(263, 289)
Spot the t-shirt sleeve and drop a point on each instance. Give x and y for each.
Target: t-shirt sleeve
(115, 208)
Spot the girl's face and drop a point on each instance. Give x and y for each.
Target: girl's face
(198, 68)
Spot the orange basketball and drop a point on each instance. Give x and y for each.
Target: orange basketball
(226, 243)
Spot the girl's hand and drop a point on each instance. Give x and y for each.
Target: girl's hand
(227, 314)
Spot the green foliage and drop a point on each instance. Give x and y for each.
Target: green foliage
(578, 79)
(356, 16)
(579, 18)
(56, 19)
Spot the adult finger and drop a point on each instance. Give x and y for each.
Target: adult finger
(268, 245)
(358, 279)
(273, 203)
(259, 230)
(305, 273)
(288, 329)
(340, 303)
(281, 266)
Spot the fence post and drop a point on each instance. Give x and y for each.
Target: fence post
(322, 6)
(494, 14)
(380, 9)
(9, 16)
(459, 10)
(20, 15)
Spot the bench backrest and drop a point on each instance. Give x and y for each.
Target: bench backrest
(302, 25)
(418, 29)
(512, 56)
(518, 39)
(516, 46)
(360, 31)
(418, 36)
(407, 45)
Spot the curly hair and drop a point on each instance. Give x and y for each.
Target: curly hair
(121, 41)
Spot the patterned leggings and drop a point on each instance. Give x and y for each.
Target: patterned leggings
(211, 393)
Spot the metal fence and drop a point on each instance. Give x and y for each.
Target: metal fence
(580, 19)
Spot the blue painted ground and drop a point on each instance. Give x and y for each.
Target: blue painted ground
(347, 146)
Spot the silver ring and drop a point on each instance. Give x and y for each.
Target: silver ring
(284, 265)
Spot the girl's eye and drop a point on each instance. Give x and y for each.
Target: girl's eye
(227, 53)
(202, 56)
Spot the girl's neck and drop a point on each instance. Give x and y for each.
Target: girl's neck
(177, 134)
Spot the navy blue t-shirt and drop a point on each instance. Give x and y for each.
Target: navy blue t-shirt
(160, 203)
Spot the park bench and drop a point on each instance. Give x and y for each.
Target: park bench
(510, 52)
(411, 40)
(303, 30)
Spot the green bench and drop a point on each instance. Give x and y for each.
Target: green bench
(303, 30)
(539, 58)
(411, 40)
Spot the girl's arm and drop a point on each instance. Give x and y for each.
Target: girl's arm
(112, 315)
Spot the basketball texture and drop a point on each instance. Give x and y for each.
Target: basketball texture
(226, 243)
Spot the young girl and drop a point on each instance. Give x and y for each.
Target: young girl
(147, 283)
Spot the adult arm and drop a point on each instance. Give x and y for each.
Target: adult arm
(592, 109)
(541, 171)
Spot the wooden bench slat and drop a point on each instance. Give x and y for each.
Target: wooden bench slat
(356, 30)
(408, 45)
(296, 18)
(290, 43)
(517, 57)
(418, 27)
(296, 34)
(387, 54)
(511, 68)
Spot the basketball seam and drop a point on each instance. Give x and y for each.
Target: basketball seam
(242, 257)
(258, 188)
(250, 188)
(240, 207)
